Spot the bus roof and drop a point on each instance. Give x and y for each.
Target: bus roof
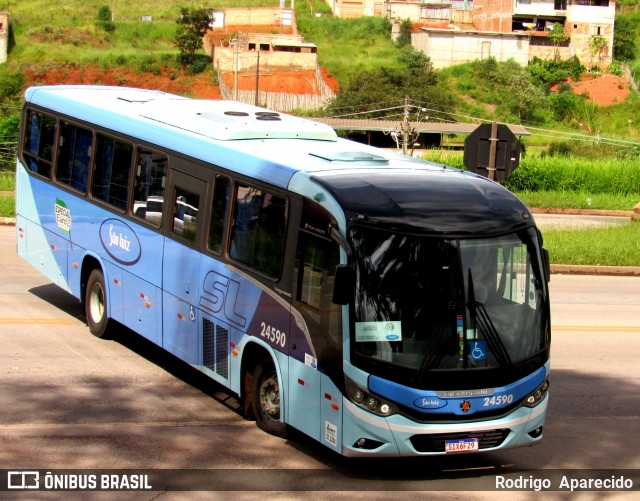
(369, 183)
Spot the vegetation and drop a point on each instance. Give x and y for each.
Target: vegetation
(375, 73)
(104, 19)
(193, 24)
(348, 47)
(415, 78)
(605, 246)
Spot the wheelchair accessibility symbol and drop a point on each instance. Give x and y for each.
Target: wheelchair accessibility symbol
(478, 350)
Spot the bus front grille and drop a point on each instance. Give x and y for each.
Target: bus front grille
(435, 443)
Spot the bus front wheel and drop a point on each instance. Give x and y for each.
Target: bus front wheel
(265, 395)
(95, 304)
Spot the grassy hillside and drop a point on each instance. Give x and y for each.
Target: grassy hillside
(48, 35)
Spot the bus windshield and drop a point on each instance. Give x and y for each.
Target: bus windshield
(425, 304)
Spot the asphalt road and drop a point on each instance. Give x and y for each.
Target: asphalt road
(71, 401)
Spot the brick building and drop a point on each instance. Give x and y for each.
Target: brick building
(455, 32)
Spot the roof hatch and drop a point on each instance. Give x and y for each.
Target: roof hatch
(351, 156)
(230, 120)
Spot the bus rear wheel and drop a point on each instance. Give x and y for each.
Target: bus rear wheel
(266, 402)
(95, 304)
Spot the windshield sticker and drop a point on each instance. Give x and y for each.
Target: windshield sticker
(378, 331)
(478, 350)
(63, 216)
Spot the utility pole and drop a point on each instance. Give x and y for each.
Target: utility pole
(406, 130)
(257, 78)
(235, 74)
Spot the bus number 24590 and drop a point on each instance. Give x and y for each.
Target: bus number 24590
(272, 334)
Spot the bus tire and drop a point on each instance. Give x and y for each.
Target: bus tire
(95, 304)
(266, 402)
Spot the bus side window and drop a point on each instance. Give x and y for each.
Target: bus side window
(112, 169)
(259, 229)
(74, 156)
(220, 206)
(185, 214)
(39, 142)
(149, 185)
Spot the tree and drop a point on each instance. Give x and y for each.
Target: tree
(193, 24)
(624, 39)
(558, 37)
(524, 99)
(404, 37)
(104, 19)
(415, 79)
(597, 48)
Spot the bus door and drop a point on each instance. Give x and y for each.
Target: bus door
(180, 267)
(314, 407)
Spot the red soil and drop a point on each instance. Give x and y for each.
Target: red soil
(177, 82)
(604, 89)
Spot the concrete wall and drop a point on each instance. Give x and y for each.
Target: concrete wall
(492, 15)
(224, 58)
(355, 8)
(449, 47)
(4, 36)
(269, 16)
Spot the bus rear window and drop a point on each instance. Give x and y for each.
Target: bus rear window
(39, 141)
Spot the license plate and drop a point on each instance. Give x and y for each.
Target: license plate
(469, 444)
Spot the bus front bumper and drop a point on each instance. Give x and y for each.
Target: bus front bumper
(366, 434)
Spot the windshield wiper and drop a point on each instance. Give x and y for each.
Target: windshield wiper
(482, 320)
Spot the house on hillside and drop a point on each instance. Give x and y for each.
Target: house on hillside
(261, 45)
(356, 8)
(582, 21)
(505, 29)
(275, 52)
(4, 36)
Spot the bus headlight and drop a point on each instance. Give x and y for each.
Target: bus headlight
(365, 400)
(537, 396)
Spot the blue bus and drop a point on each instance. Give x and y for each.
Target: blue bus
(380, 304)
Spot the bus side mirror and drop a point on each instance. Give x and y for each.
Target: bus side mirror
(343, 285)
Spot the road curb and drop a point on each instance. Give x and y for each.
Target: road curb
(583, 212)
(621, 271)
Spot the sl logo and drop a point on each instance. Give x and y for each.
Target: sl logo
(220, 294)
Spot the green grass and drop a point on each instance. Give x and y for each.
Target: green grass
(578, 200)
(610, 183)
(349, 46)
(607, 246)
(7, 206)
(7, 181)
